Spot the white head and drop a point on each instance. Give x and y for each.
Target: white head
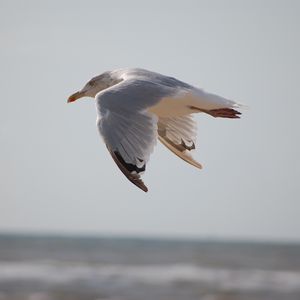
(94, 86)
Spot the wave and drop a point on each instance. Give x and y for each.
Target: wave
(224, 279)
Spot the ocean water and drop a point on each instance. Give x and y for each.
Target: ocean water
(74, 268)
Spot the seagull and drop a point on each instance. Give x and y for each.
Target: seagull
(135, 107)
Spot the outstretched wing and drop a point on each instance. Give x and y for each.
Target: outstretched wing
(178, 134)
(130, 139)
(128, 129)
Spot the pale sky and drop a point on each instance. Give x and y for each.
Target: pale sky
(55, 172)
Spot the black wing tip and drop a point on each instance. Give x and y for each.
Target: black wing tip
(142, 186)
(134, 178)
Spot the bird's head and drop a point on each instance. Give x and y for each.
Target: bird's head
(94, 86)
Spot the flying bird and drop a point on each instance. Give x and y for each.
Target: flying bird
(135, 107)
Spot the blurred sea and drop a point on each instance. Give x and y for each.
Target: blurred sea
(75, 268)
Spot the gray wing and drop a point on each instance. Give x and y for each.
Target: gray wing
(128, 129)
(178, 134)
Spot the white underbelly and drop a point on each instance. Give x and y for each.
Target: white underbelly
(181, 105)
(171, 107)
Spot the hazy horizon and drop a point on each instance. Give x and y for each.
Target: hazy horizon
(147, 237)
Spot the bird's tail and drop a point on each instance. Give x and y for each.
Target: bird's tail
(214, 105)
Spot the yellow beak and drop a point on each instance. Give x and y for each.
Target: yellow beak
(75, 96)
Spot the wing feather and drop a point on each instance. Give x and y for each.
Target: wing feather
(178, 134)
(127, 127)
(134, 178)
